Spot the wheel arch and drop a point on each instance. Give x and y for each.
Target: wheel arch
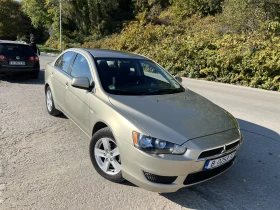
(46, 86)
(98, 126)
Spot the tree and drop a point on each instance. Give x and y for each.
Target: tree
(200, 7)
(80, 18)
(272, 9)
(37, 11)
(13, 22)
(248, 15)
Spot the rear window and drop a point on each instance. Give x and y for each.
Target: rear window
(15, 49)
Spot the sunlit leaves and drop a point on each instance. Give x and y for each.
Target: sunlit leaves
(13, 22)
(37, 11)
(194, 48)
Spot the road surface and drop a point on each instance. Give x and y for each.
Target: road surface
(45, 164)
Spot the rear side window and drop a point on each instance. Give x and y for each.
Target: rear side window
(81, 68)
(15, 49)
(64, 61)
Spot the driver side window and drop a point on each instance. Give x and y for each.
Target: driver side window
(64, 61)
(81, 68)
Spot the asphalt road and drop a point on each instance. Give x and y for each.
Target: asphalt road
(45, 164)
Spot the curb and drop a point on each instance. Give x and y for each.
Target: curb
(49, 54)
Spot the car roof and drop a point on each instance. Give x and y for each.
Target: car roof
(12, 42)
(103, 53)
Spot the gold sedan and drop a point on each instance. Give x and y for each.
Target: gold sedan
(144, 126)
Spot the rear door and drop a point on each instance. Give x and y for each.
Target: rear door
(77, 100)
(60, 76)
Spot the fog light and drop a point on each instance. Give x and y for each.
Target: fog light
(159, 179)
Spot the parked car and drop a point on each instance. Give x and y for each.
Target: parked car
(144, 126)
(18, 57)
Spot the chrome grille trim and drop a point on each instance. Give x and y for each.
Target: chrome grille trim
(221, 154)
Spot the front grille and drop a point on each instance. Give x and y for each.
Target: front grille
(159, 179)
(217, 151)
(233, 145)
(210, 153)
(203, 175)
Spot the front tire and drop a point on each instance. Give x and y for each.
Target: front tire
(105, 155)
(50, 103)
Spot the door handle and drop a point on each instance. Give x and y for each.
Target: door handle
(52, 74)
(66, 85)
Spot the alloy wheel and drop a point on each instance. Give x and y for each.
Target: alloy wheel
(49, 100)
(107, 156)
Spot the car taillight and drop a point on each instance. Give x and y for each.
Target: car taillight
(33, 58)
(3, 58)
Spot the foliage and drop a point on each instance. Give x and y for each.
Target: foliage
(13, 22)
(234, 41)
(48, 49)
(194, 48)
(80, 18)
(183, 8)
(247, 15)
(37, 11)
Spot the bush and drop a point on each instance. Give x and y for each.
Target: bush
(194, 48)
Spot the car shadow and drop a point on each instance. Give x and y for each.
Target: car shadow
(23, 78)
(259, 130)
(127, 183)
(62, 116)
(252, 183)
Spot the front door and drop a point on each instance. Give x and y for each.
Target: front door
(76, 100)
(60, 76)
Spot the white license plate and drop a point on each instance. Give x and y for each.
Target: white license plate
(17, 63)
(219, 161)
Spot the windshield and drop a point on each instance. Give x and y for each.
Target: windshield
(135, 77)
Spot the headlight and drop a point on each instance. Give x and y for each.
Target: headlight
(156, 146)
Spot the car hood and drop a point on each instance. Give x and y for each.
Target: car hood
(176, 117)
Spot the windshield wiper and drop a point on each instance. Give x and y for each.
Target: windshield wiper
(123, 92)
(160, 91)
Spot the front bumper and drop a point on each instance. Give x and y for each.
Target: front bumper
(187, 169)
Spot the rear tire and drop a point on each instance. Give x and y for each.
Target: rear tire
(105, 156)
(50, 103)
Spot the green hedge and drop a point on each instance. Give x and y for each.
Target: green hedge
(194, 48)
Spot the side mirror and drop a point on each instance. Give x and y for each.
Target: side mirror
(80, 82)
(179, 79)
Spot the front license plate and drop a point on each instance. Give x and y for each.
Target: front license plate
(17, 63)
(219, 161)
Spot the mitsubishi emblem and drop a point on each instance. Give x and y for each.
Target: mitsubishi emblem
(224, 150)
